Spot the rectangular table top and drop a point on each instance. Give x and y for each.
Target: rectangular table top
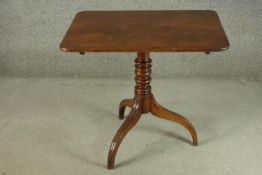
(156, 31)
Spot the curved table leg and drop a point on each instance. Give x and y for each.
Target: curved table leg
(128, 124)
(122, 106)
(164, 113)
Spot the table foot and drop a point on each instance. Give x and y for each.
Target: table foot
(122, 106)
(128, 124)
(161, 112)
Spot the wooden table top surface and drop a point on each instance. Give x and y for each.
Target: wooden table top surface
(156, 31)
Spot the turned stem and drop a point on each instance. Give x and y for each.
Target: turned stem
(142, 75)
(143, 79)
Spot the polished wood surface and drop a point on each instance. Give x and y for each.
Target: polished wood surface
(122, 106)
(128, 124)
(144, 32)
(155, 31)
(143, 102)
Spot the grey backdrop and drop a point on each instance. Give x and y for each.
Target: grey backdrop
(31, 32)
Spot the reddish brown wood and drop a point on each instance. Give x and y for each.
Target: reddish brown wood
(143, 102)
(128, 124)
(164, 113)
(144, 32)
(151, 31)
(122, 106)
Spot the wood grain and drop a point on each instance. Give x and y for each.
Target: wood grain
(144, 32)
(155, 31)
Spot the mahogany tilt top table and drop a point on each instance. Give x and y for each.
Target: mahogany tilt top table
(144, 32)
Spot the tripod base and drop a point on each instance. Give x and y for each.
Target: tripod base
(142, 103)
